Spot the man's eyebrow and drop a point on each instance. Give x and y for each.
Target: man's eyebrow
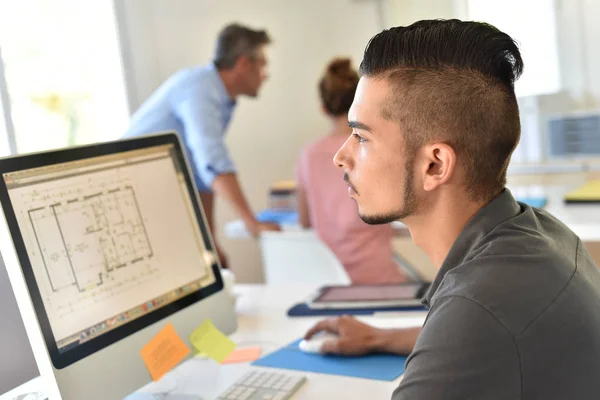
(359, 125)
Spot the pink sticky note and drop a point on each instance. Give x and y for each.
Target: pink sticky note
(241, 355)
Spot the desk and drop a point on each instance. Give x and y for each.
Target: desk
(263, 321)
(582, 219)
(237, 230)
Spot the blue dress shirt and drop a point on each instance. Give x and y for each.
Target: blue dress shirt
(194, 103)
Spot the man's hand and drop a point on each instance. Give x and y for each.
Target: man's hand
(227, 186)
(257, 227)
(354, 337)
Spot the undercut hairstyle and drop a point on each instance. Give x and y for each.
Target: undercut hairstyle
(453, 81)
(235, 41)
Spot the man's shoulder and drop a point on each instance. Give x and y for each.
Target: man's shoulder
(514, 274)
(523, 289)
(462, 349)
(465, 315)
(201, 79)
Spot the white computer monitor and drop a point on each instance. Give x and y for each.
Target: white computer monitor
(105, 245)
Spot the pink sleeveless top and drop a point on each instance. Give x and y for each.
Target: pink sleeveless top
(364, 250)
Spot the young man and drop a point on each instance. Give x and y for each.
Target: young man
(514, 310)
(198, 103)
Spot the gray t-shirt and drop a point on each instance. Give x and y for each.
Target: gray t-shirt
(514, 314)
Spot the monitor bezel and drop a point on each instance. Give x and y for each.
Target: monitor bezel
(63, 359)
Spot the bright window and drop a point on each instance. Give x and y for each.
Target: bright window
(63, 72)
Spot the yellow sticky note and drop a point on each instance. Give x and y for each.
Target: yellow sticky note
(164, 352)
(211, 341)
(246, 354)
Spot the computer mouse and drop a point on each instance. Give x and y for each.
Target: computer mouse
(314, 344)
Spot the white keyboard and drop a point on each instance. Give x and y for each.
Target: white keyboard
(261, 385)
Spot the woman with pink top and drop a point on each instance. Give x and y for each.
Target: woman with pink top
(323, 201)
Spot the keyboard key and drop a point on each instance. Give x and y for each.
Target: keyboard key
(263, 385)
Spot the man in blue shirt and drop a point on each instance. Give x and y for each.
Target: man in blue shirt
(198, 103)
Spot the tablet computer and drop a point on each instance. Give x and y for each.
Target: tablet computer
(368, 296)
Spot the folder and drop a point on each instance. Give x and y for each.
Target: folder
(588, 193)
(303, 310)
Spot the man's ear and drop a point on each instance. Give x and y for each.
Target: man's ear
(439, 163)
(241, 62)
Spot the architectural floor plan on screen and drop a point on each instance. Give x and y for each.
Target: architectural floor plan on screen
(92, 240)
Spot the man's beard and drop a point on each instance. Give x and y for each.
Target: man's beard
(409, 205)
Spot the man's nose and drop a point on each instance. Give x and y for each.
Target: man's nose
(341, 158)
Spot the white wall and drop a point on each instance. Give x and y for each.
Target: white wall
(265, 135)
(578, 37)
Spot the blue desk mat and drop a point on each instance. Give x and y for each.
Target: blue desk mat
(278, 216)
(303, 310)
(381, 367)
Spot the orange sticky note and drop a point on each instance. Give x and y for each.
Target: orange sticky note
(164, 352)
(243, 355)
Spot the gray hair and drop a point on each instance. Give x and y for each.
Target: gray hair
(235, 41)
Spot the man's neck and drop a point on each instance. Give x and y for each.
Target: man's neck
(228, 79)
(436, 230)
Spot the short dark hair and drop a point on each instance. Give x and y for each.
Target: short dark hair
(453, 81)
(338, 86)
(235, 41)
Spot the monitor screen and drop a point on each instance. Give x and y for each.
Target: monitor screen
(110, 239)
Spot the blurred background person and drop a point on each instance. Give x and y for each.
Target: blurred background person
(198, 103)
